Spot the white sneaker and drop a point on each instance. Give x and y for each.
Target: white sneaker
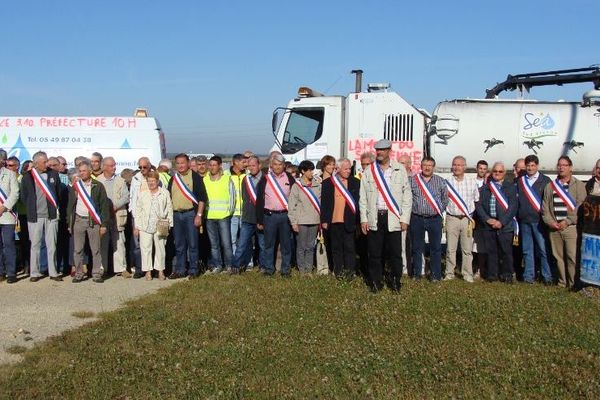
(469, 279)
(448, 278)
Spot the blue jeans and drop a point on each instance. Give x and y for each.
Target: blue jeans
(236, 225)
(277, 226)
(244, 250)
(219, 234)
(533, 240)
(186, 241)
(433, 226)
(8, 261)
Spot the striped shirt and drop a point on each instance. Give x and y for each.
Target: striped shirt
(439, 189)
(468, 189)
(560, 208)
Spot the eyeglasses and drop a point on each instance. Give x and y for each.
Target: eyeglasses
(143, 166)
(498, 171)
(11, 165)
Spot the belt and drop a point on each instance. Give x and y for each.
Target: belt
(183, 211)
(269, 212)
(426, 216)
(81, 216)
(458, 216)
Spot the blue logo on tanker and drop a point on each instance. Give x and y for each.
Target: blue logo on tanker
(531, 121)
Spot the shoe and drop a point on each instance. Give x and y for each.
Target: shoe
(267, 274)
(98, 279)
(175, 275)
(77, 279)
(395, 285)
(448, 277)
(125, 274)
(528, 282)
(138, 275)
(56, 278)
(35, 278)
(73, 272)
(192, 276)
(548, 283)
(226, 270)
(287, 276)
(468, 280)
(217, 270)
(375, 287)
(11, 279)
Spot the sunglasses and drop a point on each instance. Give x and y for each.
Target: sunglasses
(143, 166)
(11, 165)
(498, 171)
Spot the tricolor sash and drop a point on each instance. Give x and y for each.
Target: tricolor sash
(344, 192)
(3, 198)
(384, 190)
(457, 199)
(531, 194)
(564, 195)
(41, 183)
(250, 189)
(428, 194)
(312, 197)
(501, 199)
(85, 197)
(185, 190)
(277, 190)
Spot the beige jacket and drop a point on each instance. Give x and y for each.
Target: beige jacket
(400, 187)
(576, 190)
(300, 209)
(141, 213)
(10, 187)
(120, 195)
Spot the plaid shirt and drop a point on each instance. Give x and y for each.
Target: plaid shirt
(420, 205)
(468, 190)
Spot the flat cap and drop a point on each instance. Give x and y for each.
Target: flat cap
(383, 144)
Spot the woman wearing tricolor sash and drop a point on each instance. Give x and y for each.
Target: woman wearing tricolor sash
(562, 198)
(304, 215)
(496, 210)
(340, 215)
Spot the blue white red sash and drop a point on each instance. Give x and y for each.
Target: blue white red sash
(530, 194)
(3, 198)
(344, 192)
(500, 199)
(277, 190)
(187, 193)
(384, 190)
(312, 197)
(41, 183)
(564, 195)
(429, 196)
(84, 196)
(457, 199)
(250, 189)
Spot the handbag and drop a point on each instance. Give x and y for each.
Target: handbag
(321, 253)
(162, 227)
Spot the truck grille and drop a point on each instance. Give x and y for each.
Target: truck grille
(398, 127)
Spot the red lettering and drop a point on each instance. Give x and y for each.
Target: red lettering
(131, 123)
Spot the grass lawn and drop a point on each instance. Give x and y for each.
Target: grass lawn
(253, 337)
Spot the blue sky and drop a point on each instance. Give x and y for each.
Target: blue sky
(212, 72)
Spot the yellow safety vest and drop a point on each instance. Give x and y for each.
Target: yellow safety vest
(237, 183)
(164, 178)
(219, 199)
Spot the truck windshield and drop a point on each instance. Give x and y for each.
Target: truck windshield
(304, 127)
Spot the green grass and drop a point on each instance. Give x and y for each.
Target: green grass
(252, 337)
(83, 314)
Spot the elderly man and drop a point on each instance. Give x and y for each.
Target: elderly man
(40, 190)
(385, 206)
(496, 210)
(561, 201)
(429, 200)
(340, 215)
(138, 185)
(113, 242)
(88, 216)
(462, 193)
(96, 162)
(272, 194)
(9, 195)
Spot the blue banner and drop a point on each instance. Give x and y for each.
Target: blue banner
(590, 259)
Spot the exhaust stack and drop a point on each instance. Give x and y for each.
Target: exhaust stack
(358, 80)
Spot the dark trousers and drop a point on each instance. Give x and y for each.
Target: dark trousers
(8, 251)
(277, 226)
(433, 226)
(381, 241)
(499, 250)
(342, 247)
(186, 242)
(62, 248)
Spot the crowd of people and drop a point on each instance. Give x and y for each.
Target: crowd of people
(378, 221)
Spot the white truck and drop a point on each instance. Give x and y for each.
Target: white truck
(493, 129)
(124, 138)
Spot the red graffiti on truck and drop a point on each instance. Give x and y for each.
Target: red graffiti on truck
(356, 147)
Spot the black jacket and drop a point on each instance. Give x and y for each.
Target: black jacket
(198, 189)
(248, 208)
(526, 213)
(328, 201)
(589, 185)
(29, 190)
(100, 200)
(260, 196)
(482, 207)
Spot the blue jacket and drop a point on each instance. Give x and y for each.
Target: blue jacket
(526, 213)
(482, 207)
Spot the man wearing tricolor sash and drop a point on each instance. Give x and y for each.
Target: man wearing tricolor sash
(88, 216)
(9, 195)
(272, 194)
(530, 191)
(429, 201)
(496, 210)
(304, 215)
(562, 198)
(245, 249)
(188, 195)
(40, 188)
(385, 206)
(463, 192)
(340, 215)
